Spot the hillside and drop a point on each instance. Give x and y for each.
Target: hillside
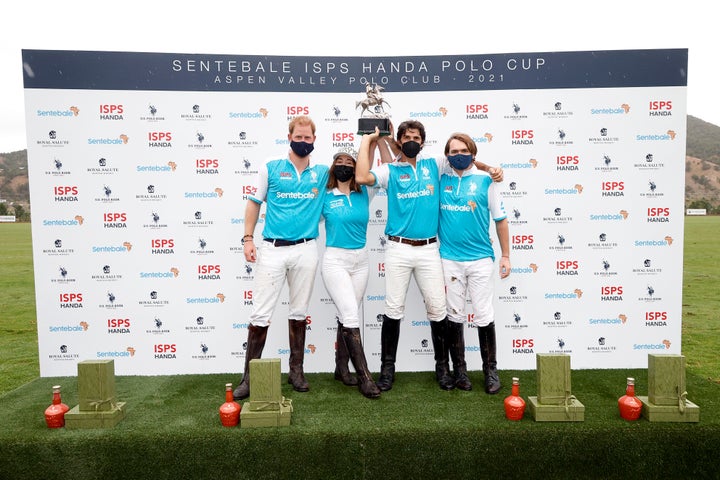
(702, 169)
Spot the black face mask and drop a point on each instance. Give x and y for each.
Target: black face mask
(411, 149)
(344, 172)
(302, 149)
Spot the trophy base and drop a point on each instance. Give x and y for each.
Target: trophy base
(367, 125)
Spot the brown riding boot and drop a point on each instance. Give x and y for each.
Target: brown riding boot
(351, 337)
(296, 334)
(342, 357)
(255, 344)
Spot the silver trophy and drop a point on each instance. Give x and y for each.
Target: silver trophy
(373, 114)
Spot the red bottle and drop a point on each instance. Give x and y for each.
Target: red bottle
(514, 403)
(630, 406)
(55, 413)
(230, 410)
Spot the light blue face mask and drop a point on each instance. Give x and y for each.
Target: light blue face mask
(460, 161)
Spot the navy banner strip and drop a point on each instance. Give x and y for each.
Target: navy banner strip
(59, 69)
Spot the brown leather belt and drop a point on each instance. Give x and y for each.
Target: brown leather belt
(410, 241)
(286, 243)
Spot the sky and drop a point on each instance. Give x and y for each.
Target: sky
(354, 28)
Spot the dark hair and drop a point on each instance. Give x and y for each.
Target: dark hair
(408, 124)
(333, 181)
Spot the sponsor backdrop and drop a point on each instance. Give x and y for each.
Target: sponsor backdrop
(140, 166)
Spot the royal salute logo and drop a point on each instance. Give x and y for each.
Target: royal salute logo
(200, 325)
(53, 141)
(58, 250)
(649, 162)
(151, 194)
(195, 115)
(106, 275)
(514, 191)
(601, 346)
(557, 112)
(513, 295)
(557, 320)
(558, 217)
(154, 299)
(242, 140)
(103, 167)
(198, 220)
(64, 354)
(603, 243)
(604, 137)
(647, 267)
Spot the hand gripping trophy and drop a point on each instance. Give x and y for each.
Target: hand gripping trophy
(373, 114)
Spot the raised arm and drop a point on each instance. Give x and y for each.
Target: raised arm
(364, 161)
(496, 173)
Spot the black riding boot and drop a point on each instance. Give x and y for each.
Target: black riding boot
(389, 336)
(488, 352)
(255, 344)
(342, 356)
(351, 338)
(438, 331)
(456, 345)
(296, 334)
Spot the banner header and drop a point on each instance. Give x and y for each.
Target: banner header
(226, 73)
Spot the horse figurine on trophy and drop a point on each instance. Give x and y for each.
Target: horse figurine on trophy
(373, 114)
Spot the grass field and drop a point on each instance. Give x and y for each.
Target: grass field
(701, 303)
